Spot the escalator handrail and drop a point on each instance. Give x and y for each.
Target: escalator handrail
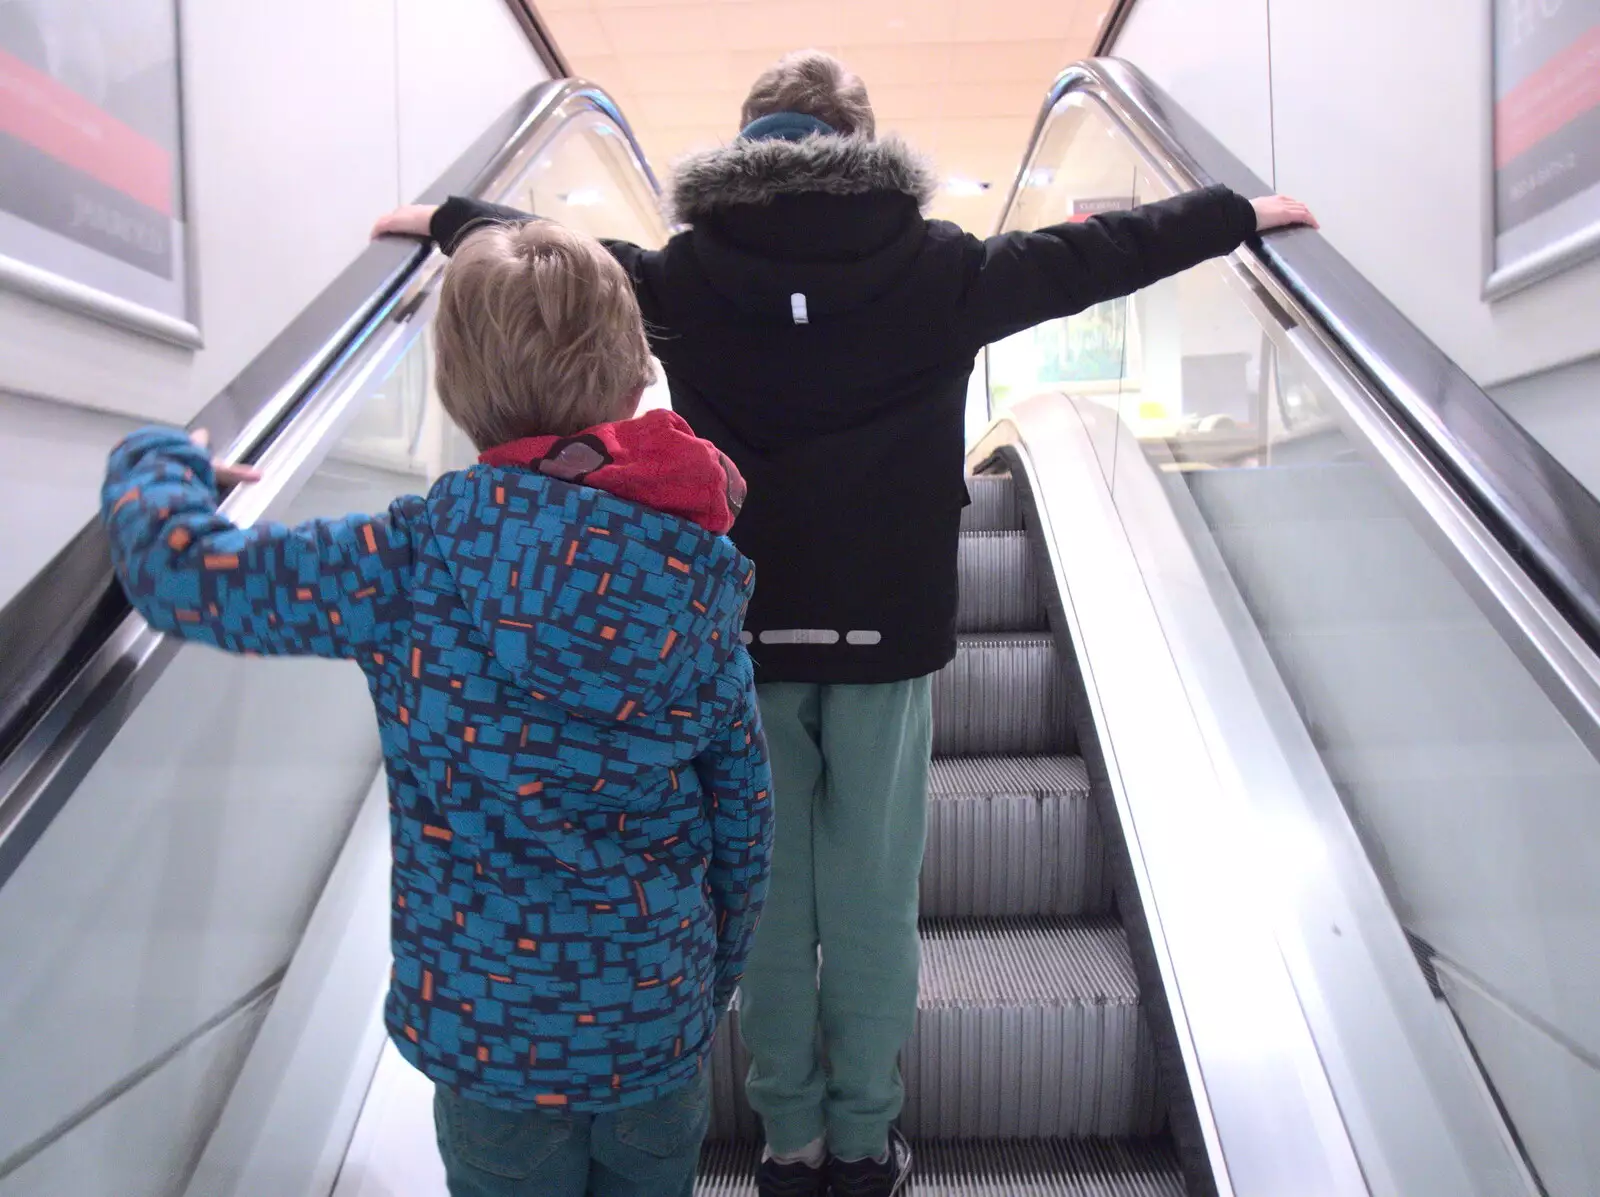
(74, 657)
(1536, 509)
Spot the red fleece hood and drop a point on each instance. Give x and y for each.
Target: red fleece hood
(655, 460)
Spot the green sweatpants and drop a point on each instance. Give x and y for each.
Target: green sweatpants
(850, 784)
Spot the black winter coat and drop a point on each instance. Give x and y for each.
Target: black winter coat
(820, 331)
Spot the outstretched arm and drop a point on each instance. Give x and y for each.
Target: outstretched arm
(328, 588)
(449, 224)
(1025, 278)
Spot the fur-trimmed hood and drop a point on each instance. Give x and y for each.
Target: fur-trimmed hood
(757, 172)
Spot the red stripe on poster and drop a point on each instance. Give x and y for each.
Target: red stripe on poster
(1561, 90)
(54, 118)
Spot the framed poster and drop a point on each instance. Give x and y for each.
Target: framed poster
(1546, 142)
(91, 161)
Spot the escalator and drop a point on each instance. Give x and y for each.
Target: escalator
(1253, 584)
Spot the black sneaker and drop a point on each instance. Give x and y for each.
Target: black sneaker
(871, 1178)
(798, 1179)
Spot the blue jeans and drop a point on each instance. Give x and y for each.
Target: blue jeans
(650, 1150)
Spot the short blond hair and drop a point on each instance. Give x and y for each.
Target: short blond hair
(538, 334)
(818, 84)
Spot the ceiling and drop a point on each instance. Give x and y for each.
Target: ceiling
(961, 79)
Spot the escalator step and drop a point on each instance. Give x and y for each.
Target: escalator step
(1012, 836)
(994, 505)
(992, 1168)
(1003, 695)
(999, 584)
(1029, 1028)
(1044, 962)
(1025, 1028)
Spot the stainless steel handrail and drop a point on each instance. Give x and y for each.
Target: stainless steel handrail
(1519, 530)
(283, 412)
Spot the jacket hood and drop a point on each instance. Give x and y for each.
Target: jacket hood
(609, 609)
(757, 172)
(654, 459)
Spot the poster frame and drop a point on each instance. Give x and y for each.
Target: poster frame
(1551, 259)
(83, 299)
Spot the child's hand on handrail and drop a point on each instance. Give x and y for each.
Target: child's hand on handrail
(1279, 211)
(227, 475)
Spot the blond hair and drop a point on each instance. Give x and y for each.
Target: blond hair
(538, 334)
(817, 84)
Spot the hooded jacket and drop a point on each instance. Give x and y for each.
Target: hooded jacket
(821, 332)
(578, 785)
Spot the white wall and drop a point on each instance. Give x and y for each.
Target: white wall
(1379, 118)
(304, 120)
(1211, 55)
(460, 64)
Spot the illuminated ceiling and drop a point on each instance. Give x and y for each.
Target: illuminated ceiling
(961, 79)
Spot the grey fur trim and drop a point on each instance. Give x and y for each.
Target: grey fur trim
(757, 172)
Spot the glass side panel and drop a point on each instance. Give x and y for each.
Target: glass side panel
(163, 903)
(586, 179)
(1477, 803)
(1082, 167)
(589, 181)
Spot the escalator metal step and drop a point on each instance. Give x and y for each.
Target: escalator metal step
(997, 1168)
(994, 506)
(1026, 1028)
(1012, 836)
(999, 584)
(1003, 695)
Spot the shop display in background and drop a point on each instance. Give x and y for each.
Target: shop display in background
(1082, 354)
(1546, 139)
(91, 161)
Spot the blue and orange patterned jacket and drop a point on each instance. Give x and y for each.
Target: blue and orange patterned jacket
(579, 789)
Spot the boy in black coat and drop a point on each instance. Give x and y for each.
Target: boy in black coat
(820, 331)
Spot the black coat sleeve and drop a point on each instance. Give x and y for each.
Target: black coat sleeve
(458, 216)
(1026, 278)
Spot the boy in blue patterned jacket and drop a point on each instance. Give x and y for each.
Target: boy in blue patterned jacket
(578, 780)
